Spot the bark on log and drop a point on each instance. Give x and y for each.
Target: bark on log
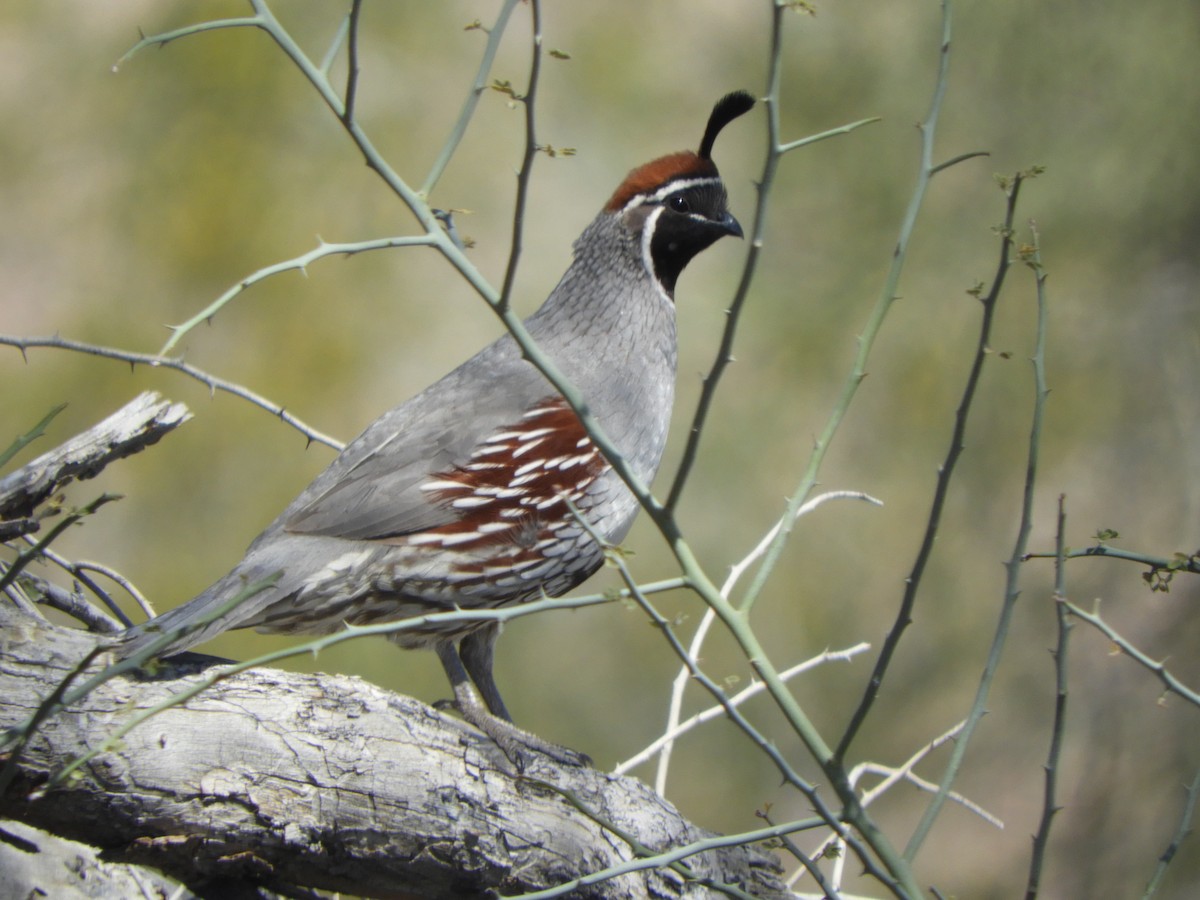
(321, 781)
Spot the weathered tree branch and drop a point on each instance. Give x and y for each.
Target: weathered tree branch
(35, 863)
(135, 426)
(319, 781)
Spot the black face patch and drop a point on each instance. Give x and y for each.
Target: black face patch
(692, 219)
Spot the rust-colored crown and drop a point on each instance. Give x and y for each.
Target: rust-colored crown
(686, 164)
(646, 178)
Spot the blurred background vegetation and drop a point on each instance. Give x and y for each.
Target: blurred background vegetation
(133, 199)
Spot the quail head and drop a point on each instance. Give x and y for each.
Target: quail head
(469, 495)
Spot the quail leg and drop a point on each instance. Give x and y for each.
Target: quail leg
(476, 651)
(515, 742)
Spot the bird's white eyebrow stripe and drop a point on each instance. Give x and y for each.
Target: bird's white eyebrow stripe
(671, 187)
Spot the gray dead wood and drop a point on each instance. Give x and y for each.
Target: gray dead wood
(135, 426)
(322, 781)
(35, 863)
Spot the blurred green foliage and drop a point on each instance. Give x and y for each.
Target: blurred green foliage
(133, 199)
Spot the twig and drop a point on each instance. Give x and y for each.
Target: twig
(19, 598)
(81, 576)
(212, 382)
(528, 100)
(671, 856)
(24, 440)
(946, 470)
(25, 557)
(808, 863)
(1104, 550)
(478, 86)
(736, 571)
(1169, 681)
(678, 729)
(79, 570)
(318, 77)
(335, 46)
(296, 263)
(351, 62)
(832, 132)
(1020, 547)
(789, 774)
(82, 566)
(72, 604)
(893, 775)
(1181, 562)
(1181, 833)
(166, 37)
(874, 324)
(638, 594)
(1041, 838)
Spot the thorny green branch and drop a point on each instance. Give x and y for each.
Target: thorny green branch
(297, 263)
(1169, 681)
(1160, 574)
(212, 382)
(1041, 838)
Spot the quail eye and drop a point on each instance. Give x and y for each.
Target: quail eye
(679, 203)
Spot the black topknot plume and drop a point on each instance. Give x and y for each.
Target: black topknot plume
(727, 109)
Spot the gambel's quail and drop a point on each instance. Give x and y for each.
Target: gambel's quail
(469, 495)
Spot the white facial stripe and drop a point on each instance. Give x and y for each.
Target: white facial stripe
(647, 236)
(667, 190)
(647, 261)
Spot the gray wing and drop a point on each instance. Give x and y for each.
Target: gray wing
(372, 490)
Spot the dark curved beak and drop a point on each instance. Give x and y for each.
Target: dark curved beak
(729, 225)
